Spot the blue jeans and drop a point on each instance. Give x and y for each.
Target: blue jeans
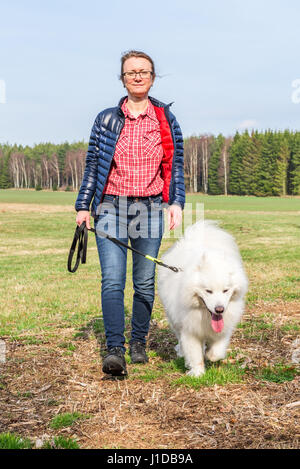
(142, 223)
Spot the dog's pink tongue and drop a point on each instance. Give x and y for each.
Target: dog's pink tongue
(217, 322)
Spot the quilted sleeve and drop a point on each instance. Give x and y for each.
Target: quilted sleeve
(89, 181)
(178, 192)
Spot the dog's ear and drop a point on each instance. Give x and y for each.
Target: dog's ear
(235, 293)
(239, 284)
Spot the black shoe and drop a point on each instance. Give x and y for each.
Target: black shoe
(114, 362)
(138, 352)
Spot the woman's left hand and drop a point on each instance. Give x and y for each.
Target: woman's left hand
(174, 216)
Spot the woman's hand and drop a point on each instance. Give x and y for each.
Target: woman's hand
(83, 215)
(174, 216)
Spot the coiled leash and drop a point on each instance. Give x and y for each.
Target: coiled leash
(81, 237)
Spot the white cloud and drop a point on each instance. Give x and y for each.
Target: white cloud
(248, 124)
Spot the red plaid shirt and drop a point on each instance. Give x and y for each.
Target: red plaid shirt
(135, 168)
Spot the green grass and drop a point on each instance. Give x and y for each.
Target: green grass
(66, 420)
(221, 374)
(60, 442)
(246, 203)
(278, 373)
(67, 345)
(211, 202)
(290, 327)
(39, 296)
(26, 394)
(173, 371)
(260, 327)
(31, 196)
(148, 375)
(38, 293)
(256, 329)
(162, 369)
(13, 441)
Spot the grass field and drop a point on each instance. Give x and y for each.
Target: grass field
(52, 327)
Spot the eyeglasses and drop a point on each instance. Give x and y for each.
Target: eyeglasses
(132, 75)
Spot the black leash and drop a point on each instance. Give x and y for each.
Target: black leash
(81, 237)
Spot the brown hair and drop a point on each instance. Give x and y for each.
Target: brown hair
(135, 53)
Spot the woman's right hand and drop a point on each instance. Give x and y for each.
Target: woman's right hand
(83, 215)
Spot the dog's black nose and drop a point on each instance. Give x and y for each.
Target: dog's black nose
(219, 309)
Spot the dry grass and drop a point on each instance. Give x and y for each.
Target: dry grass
(6, 207)
(42, 380)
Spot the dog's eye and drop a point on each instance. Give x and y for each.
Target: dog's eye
(209, 291)
(225, 291)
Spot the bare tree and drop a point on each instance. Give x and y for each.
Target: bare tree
(45, 172)
(81, 163)
(37, 174)
(55, 168)
(205, 159)
(192, 163)
(24, 170)
(225, 159)
(15, 168)
(75, 167)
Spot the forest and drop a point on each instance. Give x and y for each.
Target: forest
(257, 163)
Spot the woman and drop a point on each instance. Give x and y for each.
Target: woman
(134, 163)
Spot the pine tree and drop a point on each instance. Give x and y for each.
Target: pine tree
(4, 171)
(61, 152)
(256, 143)
(294, 166)
(266, 168)
(280, 175)
(236, 165)
(249, 157)
(215, 183)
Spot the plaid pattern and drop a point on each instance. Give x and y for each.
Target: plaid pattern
(135, 168)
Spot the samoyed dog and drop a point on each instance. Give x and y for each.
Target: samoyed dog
(204, 301)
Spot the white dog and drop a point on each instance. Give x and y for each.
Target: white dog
(204, 301)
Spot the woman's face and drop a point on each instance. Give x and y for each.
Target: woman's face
(136, 86)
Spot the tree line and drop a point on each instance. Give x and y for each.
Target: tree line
(43, 166)
(257, 163)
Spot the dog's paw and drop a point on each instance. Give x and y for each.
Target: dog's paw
(178, 350)
(215, 355)
(196, 371)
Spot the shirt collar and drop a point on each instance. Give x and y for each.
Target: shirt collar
(149, 111)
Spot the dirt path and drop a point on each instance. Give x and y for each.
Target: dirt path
(41, 379)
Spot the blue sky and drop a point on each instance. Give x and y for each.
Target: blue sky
(226, 64)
